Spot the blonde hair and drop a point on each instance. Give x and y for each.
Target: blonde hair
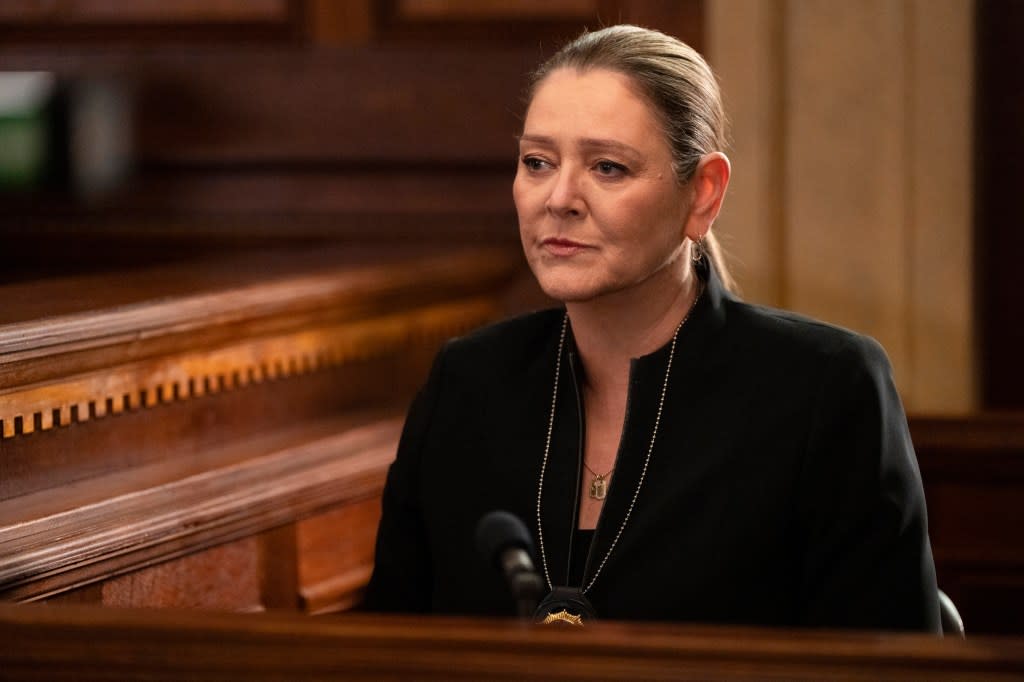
(677, 82)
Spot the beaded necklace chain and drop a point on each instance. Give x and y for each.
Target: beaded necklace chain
(647, 460)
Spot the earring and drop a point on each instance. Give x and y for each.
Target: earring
(697, 250)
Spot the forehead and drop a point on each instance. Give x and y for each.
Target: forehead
(591, 103)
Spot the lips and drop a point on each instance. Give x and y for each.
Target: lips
(557, 246)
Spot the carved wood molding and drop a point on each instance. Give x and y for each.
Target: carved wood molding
(84, 348)
(193, 374)
(54, 552)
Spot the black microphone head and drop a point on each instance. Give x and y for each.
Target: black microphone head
(499, 530)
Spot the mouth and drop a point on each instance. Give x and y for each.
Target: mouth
(559, 246)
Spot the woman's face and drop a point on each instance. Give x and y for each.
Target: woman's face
(600, 208)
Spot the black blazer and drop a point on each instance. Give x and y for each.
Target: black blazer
(782, 488)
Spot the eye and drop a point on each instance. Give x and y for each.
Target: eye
(535, 164)
(610, 169)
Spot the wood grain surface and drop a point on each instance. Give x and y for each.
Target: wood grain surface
(76, 642)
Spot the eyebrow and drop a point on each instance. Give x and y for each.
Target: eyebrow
(586, 142)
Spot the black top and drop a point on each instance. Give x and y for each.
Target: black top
(782, 490)
(581, 541)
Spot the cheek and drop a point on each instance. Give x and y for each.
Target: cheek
(643, 228)
(518, 196)
(521, 200)
(526, 198)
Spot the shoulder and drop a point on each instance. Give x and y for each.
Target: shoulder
(784, 335)
(529, 328)
(507, 347)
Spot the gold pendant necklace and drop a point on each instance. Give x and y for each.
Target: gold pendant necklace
(599, 483)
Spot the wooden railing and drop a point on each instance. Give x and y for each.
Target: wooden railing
(216, 434)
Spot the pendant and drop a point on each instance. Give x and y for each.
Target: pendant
(563, 616)
(598, 487)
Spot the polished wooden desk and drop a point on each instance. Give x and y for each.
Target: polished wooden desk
(90, 642)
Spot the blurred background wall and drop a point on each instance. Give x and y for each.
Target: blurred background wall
(853, 192)
(875, 148)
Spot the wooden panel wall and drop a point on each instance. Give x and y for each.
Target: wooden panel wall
(377, 121)
(973, 472)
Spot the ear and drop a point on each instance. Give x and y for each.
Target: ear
(709, 182)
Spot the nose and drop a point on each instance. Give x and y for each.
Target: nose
(565, 199)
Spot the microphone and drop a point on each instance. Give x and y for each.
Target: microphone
(504, 542)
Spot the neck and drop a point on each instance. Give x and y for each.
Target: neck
(615, 328)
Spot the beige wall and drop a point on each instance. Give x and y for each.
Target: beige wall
(851, 193)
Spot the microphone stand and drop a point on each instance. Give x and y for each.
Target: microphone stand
(527, 588)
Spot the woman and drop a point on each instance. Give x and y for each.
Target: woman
(678, 454)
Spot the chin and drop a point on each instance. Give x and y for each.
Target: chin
(569, 296)
(568, 291)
